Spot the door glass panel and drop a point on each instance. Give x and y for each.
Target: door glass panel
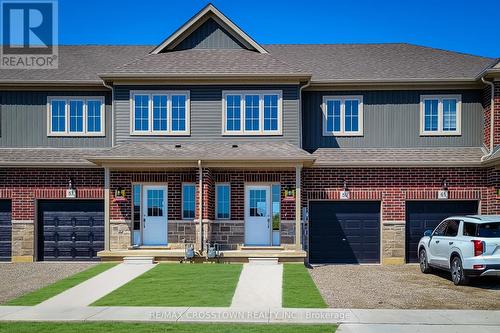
(155, 202)
(276, 201)
(258, 205)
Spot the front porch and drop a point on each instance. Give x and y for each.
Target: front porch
(227, 256)
(249, 207)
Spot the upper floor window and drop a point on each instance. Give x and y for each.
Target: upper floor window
(440, 115)
(75, 116)
(160, 113)
(252, 112)
(343, 115)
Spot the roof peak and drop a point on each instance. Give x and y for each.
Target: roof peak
(206, 13)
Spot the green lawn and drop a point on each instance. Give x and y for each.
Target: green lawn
(110, 327)
(58, 287)
(299, 290)
(178, 285)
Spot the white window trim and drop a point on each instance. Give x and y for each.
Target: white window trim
(182, 201)
(217, 201)
(169, 131)
(67, 132)
(342, 100)
(440, 131)
(261, 131)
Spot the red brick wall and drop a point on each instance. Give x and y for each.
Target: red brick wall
(24, 186)
(394, 186)
(238, 180)
(121, 210)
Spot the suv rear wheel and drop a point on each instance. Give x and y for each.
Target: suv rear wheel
(424, 264)
(457, 272)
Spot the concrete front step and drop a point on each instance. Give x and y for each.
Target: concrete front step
(263, 261)
(138, 260)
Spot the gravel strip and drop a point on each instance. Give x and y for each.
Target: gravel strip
(17, 279)
(401, 287)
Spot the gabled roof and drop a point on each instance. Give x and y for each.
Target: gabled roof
(209, 11)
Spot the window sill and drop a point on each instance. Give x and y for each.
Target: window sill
(75, 135)
(159, 134)
(339, 135)
(252, 134)
(440, 134)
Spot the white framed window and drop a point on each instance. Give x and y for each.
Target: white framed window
(249, 112)
(342, 115)
(159, 113)
(440, 115)
(223, 201)
(75, 116)
(188, 201)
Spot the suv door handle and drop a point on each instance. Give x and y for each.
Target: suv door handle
(450, 243)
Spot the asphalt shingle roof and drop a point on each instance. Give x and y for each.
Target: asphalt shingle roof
(209, 62)
(326, 62)
(372, 62)
(206, 151)
(357, 157)
(164, 152)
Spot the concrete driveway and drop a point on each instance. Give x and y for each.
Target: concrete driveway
(400, 287)
(17, 279)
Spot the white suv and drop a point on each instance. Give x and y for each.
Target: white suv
(466, 246)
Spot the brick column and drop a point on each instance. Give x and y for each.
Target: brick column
(393, 227)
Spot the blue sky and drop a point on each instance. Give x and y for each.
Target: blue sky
(458, 25)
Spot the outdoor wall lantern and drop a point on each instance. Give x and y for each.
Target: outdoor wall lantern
(120, 194)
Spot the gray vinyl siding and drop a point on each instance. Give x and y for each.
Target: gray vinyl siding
(391, 119)
(23, 120)
(206, 114)
(210, 35)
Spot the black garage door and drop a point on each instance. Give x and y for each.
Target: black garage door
(5, 230)
(70, 229)
(423, 215)
(344, 232)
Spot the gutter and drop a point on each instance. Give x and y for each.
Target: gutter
(200, 205)
(112, 112)
(300, 110)
(492, 119)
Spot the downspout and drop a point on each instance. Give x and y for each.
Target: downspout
(112, 112)
(200, 205)
(300, 110)
(492, 119)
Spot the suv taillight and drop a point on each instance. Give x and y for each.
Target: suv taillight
(478, 247)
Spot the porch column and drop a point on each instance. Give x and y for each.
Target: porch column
(298, 207)
(106, 208)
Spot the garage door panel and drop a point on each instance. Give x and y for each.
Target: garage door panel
(5, 230)
(344, 232)
(72, 230)
(423, 215)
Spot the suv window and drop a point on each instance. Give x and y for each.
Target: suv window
(452, 229)
(470, 229)
(439, 231)
(485, 230)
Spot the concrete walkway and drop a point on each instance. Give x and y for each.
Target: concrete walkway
(95, 288)
(259, 286)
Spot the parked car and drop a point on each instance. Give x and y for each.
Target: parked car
(466, 246)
